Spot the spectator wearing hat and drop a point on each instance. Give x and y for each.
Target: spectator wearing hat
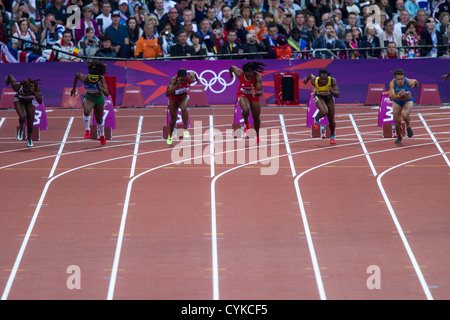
(282, 50)
(123, 11)
(119, 35)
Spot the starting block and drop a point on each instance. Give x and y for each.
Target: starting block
(178, 124)
(35, 136)
(109, 119)
(178, 130)
(386, 117)
(238, 122)
(318, 133)
(108, 133)
(311, 113)
(40, 122)
(238, 130)
(389, 130)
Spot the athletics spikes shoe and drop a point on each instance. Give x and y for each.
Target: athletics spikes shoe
(19, 135)
(102, 140)
(169, 140)
(246, 129)
(399, 140)
(257, 139)
(316, 125)
(333, 140)
(87, 134)
(29, 142)
(186, 134)
(410, 133)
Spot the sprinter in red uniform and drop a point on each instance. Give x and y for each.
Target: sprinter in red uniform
(178, 93)
(249, 91)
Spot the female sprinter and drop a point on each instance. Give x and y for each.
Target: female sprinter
(249, 91)
(96, 90)
(326, 90)
(402, 102)
(27, 90)
(178, 93)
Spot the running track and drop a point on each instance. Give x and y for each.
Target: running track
(304, 224)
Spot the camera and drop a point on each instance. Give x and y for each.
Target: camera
(53, 23)
(250, 36)
(217, 31)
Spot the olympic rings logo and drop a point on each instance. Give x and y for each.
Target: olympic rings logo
(210, 81)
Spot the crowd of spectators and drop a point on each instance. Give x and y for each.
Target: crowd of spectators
(220, 29)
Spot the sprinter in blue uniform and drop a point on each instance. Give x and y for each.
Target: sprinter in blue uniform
(402, 101)
(96, 90)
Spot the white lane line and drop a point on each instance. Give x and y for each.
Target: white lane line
(363, 146)
(117, 253)
(286, 142)
(434, 139)
(2, 120)
(136, 146)
(61, 148)
(399, 228)
(211, 141)
(37, 211)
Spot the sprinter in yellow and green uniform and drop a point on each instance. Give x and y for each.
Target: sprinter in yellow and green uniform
(96, 90)
(326, 90)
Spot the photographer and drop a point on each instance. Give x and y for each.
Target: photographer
(327, 39)
(166, 39)
(30, 6)
(259, 25)
(104, 20)
(412, 39)
(220, 36)
(253, 45)
(89, 44)
(106, 49)
(52, 31)
(22, 13)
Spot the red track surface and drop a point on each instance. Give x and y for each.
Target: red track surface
(144, 227)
